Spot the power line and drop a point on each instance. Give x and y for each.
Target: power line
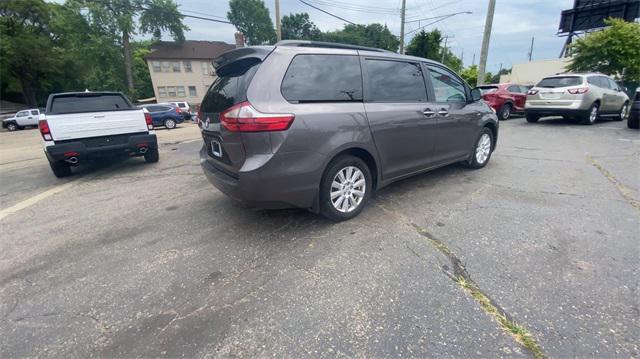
(205, 14)
(433, 22)
(326, 12)
(207, 18)
(356, 7)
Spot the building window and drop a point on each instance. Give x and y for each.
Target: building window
(187, 66)
(162, 91)
(166, 66)
(171, 91)
(206, 68)
(192, 91)
(176, 66)
(156, 66)
(180, 91)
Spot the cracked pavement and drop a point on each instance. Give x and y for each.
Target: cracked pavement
(138, 260)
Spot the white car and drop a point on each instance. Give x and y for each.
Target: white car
(22, 119)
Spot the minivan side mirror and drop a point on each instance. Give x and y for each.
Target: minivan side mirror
(476, 95)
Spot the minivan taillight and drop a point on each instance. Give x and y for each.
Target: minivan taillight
(244, 118)
(44, 130)
(578, 91)
(147, 117)
(532, 92)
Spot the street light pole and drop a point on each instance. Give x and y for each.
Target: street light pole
(484, 52)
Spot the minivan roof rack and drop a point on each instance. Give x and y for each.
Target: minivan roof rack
(331, 45)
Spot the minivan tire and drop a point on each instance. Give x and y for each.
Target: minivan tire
(338, 164)
(532, 118)
(152, 155)
(587, 118)
(473, 161)
(60, 169)
(170, 124)
(505, 111)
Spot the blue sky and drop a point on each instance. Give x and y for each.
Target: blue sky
(515, 23)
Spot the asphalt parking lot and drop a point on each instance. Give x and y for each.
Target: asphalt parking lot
(129, 259)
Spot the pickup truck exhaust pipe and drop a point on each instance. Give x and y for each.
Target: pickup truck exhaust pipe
(143, 150)
(72, 160)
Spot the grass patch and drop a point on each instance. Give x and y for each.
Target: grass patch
(519, 332)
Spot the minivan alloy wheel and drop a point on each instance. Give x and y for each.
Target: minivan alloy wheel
(348, 189)
(483, 149)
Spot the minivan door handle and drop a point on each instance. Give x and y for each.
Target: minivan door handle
(428, 113)
(443, 112)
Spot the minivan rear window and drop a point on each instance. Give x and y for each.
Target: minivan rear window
(564, 81)
(228, 90)
(323, 78)
(88, 103)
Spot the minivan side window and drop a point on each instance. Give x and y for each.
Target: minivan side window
(446, 86)
(394, 81)
(323, 78)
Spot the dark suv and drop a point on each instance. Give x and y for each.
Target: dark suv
(321, 126)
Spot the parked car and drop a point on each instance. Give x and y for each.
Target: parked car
(79, 126)
(22, 119)
(634, 113)
(184, 108)
(167, 115)
(506, 98)
(586, 97)
(321, 126)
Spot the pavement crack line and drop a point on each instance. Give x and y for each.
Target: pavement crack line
(624, 191)
(459, 274)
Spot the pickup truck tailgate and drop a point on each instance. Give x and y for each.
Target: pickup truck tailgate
(88, 124)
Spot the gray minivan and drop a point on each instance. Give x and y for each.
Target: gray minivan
(321, 126)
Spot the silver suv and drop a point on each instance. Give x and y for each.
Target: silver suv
(321, 126)
(585, 97)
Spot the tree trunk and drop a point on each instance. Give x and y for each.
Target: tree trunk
(128, 67)
(27, 92)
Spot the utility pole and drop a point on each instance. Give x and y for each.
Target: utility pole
(462, 57)
(444, 50)
(278, 30)
(404, 8)
(484, 52)
(531, 50)
(473, 62)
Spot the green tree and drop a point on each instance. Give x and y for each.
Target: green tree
(251, 17)
(119, 17)
(612, 51)
(428, 45)
(299, 27)
(470, 74)
(372, 35)
(496, 78)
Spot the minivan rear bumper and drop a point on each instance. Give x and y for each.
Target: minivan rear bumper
(98, 147)
(284, 181)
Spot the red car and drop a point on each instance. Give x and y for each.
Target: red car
(505, 98)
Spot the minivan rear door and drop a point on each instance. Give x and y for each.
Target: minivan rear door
(235, 69)
(402, 120)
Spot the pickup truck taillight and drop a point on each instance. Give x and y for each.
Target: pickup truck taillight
(244, 118)
(147, 117)
(44, 130)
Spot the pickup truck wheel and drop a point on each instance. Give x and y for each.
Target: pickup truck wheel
(12, 126)
(170, 124)
(60, 169)
(152, 155)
